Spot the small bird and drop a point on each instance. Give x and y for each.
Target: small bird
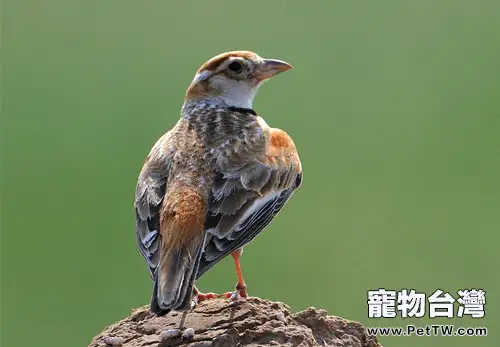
(213, 182)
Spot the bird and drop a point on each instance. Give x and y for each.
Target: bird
(213, 182)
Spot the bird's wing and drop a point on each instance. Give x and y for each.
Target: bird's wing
(149, 195)
(169, 227)
(248, 192)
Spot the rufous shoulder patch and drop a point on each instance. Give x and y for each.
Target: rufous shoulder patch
(281, 149)
(280, 139)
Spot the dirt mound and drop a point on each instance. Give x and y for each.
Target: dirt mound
(250, 322)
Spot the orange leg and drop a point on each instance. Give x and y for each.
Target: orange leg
(241, 288)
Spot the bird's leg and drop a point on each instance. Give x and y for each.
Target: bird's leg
(241, 288)
(199, 297)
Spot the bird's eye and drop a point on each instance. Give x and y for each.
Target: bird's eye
(235, 66)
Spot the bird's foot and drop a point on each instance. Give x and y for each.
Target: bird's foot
(240, 292)
(199, 297)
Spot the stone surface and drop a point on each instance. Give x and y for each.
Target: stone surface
(252, 322)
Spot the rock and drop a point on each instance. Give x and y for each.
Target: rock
(252, 322)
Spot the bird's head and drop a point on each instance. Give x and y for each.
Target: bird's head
(233, 78)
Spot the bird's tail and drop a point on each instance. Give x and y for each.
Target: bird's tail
(173, 290)
(182, 244)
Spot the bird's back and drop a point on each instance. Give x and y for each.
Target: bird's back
(215, 181)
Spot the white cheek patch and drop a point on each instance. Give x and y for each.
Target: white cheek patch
(235, 92)
(229, 91)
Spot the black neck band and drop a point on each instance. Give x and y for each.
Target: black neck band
(243, 110)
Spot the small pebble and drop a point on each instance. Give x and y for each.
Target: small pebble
(170, 333)
(113, 341)
(281, 317)
(188, 334)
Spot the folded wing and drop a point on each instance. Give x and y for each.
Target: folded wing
(149, 196)
(248, 193)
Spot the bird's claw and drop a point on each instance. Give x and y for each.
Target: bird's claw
(239, 293)
(232, 296)
(199, 297)
(194, 303)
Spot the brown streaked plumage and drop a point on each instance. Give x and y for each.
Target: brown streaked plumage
(214, 181)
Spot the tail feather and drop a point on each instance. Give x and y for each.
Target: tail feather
(182, 234)
(173, 288)
(154, 305)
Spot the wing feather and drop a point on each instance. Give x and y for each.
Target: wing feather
(149, 195)
(247, 194)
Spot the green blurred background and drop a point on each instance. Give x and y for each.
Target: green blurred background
(394, 106)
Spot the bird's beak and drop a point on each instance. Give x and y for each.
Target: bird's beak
(271, 67)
